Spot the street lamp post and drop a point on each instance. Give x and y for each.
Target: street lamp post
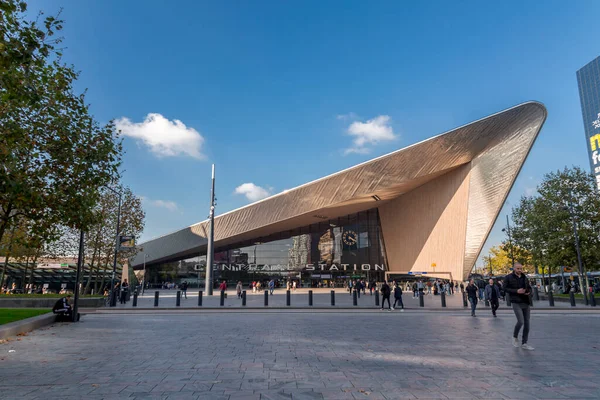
(113, 298)
(208, 288)
(507, 230)
(576, 236)
(144, 277)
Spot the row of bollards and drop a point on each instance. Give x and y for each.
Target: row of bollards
(356, 296)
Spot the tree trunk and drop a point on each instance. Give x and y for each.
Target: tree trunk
(90, 267)
(24, 275)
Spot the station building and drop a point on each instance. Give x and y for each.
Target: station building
(424, 209)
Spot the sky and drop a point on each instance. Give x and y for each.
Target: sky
(278, 94)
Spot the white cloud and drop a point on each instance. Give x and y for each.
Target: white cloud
(165, 138)
(169, 205)
(252, 191)
(373, 131)
(347, 117)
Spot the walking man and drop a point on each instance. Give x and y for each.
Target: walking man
(472, 295)
(271, 286)
(385, 294)
(517, 286)
(492, 293)
(183, 288)
(398, 297)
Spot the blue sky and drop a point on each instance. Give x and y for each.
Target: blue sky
(269, 90)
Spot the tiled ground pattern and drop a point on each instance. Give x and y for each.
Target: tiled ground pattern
(362, 355)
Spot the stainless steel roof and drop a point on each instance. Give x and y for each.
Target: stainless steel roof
(496, 146)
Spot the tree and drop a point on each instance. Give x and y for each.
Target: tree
(501, 261)
(544, 226)
(54, 156)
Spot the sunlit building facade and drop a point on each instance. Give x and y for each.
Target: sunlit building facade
(425, 209)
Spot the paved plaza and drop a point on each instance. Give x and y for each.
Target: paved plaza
(299, 354)
(299, 298)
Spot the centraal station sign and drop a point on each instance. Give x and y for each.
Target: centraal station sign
(307, 267)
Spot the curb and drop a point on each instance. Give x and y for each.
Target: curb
(188, 310)
(26, 325)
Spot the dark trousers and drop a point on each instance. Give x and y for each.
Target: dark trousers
(522, 312)
(123, 296)
(495, 304)
(473, 301)
(386, 297)
(399, 301)
(184, 292)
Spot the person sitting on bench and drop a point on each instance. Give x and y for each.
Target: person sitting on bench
(63, 309)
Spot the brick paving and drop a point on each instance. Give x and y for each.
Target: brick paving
(299, 298)
(305, 355)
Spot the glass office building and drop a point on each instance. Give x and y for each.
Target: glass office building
(588, 80)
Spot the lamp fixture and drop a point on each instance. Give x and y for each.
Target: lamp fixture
(376, 198)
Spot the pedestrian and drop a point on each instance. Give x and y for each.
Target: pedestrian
(271, 286)
(223, 286)
(385, 294)
(398, 297)
(472, 291)
(183, 288)
(492, 293)
(238, 289)
(415, 289)
(462, 287)
(124, 289)
(518, 288)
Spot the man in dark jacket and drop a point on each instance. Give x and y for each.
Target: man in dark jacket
(385, 294)
(492, 293)
(398, 296)
(63, 309)
(517, 287)
(472, 291)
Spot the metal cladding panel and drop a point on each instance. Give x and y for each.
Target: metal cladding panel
(493, 173)
(387, 176)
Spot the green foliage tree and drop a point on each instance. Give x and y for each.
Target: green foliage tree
(54, 157)
(544, 226)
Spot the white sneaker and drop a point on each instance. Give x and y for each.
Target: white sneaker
(402, 310)
(515, 342)
(525, 346)
(393, 308)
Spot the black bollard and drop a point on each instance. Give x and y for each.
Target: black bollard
(443, 299)
(200, 298)
(536, 294)
(333, 297)
(421, 299)
(310, 299)
(243, 297)
(592, 299)
(156, 299)
(288, 298)
(377, 297)
(222, 299)
(178, 299)
(135, 299)
(551, 298)
(465, 303)
(266, 298)
(572, 298)
(508, 299)
(354, 299)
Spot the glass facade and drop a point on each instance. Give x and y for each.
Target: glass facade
(327, 253)
(588, 80)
